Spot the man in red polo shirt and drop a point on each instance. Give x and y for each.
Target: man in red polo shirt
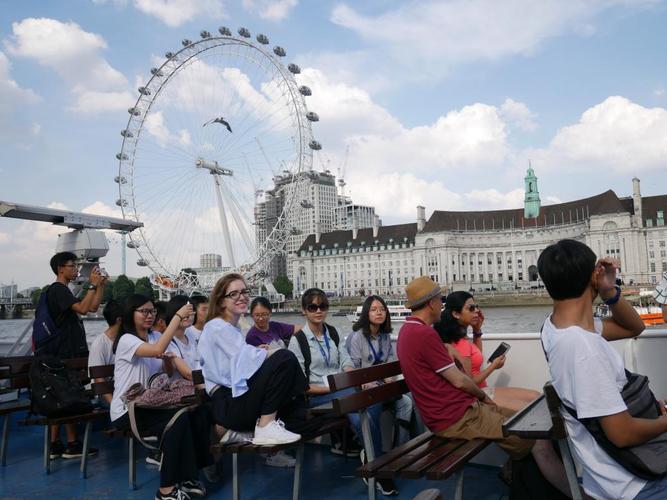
(450, 403)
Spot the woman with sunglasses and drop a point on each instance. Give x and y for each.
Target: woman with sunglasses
(185, 445)
(251, 388)
(320, 354)
(461, 312)
(266, 332)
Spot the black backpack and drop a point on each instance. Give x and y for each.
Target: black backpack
(56, 391)
(45, 333)
(305, 348)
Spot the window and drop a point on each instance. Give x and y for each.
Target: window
(651, 254)
(652, 267)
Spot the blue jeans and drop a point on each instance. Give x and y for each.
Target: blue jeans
(374, 413)
(654, 490)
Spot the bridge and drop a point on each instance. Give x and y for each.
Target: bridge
(14, 306)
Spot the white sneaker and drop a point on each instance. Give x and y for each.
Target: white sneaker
(231, 437)
(274, 433)
(280, 459)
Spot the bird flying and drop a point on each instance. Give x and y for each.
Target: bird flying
(219, 120)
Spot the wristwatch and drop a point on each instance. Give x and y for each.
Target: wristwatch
(612, 300)
(92, 287)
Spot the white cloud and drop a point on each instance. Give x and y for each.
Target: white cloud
(178, 12)
(518, 114)
(75, 55)
(617, 135)
(155, 126)
(13, 99)
(101, 208)
(273, 10)
(429, 37)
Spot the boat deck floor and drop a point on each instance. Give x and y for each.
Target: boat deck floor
(324, 475)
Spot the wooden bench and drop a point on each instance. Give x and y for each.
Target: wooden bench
(11, 380)
(542, 419)
(328, 426)
(21, 368)
(426, 455)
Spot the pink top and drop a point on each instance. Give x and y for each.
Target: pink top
(469, 350)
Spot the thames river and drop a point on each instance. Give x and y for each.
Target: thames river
(519, 319)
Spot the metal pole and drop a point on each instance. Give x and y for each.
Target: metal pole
(223, 220)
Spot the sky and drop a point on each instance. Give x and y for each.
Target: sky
(439, 103)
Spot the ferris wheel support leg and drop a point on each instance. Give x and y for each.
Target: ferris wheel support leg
(223, 220)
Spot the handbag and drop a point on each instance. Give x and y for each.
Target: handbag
(161, 394)
(647, 460)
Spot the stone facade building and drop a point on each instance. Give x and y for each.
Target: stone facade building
(485, 249)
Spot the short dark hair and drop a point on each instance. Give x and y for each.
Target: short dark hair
(60, 259)
(161, 308)
(112, 311)
(260, 301)
(566, 268)
(196, 300)
(174, 304)
(311, 294)
(364, 321)
(449, 329)
(128, 327)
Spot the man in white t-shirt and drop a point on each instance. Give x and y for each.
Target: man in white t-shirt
(101, 350)
(588, 373)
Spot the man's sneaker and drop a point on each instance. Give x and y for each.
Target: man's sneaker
(386, 486)
(193, 488)
(74, 449)
(154, 457)
(56, 449)
(212, 474)
(274, 433)
(174, 494)
(280, 459)
(231, 437)
(353, 449)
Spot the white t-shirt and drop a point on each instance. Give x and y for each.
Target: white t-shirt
(101, 351)
(129, 369)
(588, 375)
(187, 352)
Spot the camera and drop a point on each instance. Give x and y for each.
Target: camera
(103, 272)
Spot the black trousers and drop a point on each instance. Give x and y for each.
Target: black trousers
(185, 446)
(278, 386)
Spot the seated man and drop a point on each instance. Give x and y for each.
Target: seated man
(587, 372)
(101, 350)
(449, 401)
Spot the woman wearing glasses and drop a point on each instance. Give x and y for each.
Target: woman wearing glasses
(185, 445)
(251, 388)
(461, 312)
(266, 332)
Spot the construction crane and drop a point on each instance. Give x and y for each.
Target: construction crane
(341, 172)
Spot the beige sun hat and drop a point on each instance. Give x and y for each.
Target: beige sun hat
(421, 290)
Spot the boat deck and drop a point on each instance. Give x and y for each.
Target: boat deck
(324, 475)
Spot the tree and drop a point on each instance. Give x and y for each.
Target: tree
(144, 287)
(283, 285)
(34, 296)
(108, 292)
(122, 288)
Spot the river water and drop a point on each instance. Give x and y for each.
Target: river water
(519, 319)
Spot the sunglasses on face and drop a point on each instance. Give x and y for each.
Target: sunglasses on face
(473, 307)
(315, 307)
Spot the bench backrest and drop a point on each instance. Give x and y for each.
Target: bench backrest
(105, 372)
(554, 403)
(367, 397)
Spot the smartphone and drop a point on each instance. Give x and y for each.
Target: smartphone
(500, 350)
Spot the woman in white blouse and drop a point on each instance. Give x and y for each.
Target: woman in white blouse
(250, 387)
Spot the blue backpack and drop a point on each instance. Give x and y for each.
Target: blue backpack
(45, 333)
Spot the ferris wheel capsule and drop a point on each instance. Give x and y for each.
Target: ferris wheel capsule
(314, 145)
(121, 203)
(122, 157)
(119, 179)
(126, 133)
(144, 91)
(142, 262)
(134, 111)
(312, 116)
(305, 91)
(156, 72)
(244, 32)
(263, 39)
(205, 34)
(186, 42)
(169, 55)
(279, 51)
(294, 68)
(132, 244)
(224, 31)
